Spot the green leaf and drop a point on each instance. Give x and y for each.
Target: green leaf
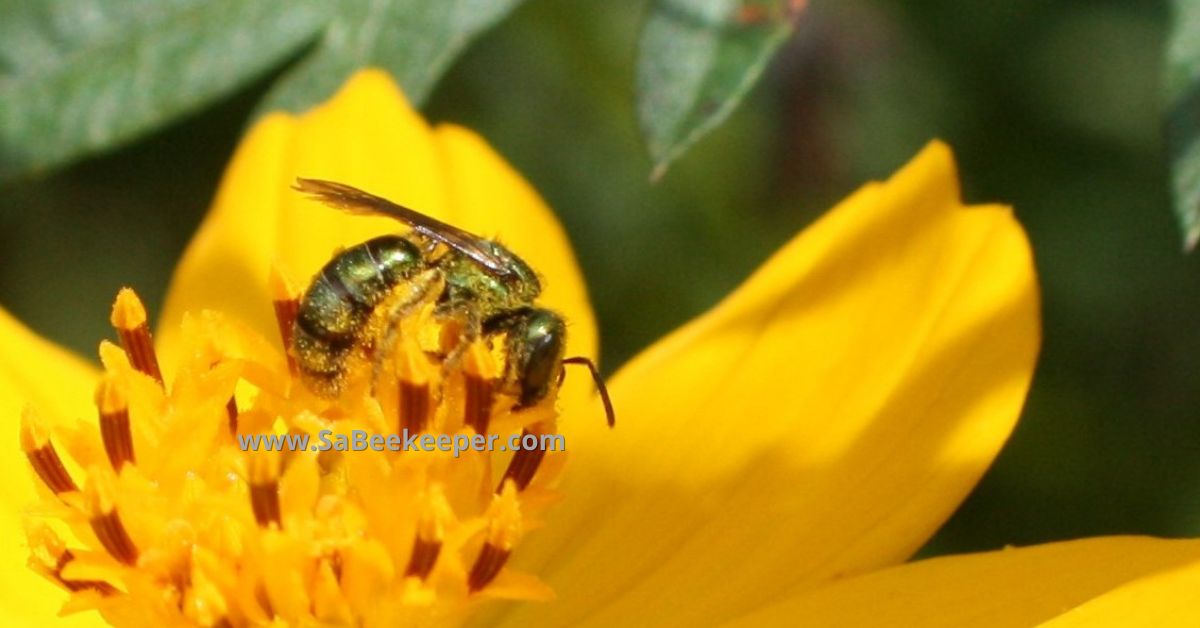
(1183, 116)
(415, 40)
(81, 76)
(698, 59)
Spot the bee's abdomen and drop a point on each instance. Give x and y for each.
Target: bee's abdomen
(340, 300)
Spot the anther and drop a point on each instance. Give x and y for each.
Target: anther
(424, 557)
(283, 298)
(129, 319)
(431, 529)
(504, 530)
(264, 488)
(43, 457)
(480, 390)
(415, 402)
(50, 557)
(231, 410)
(263, 599)
(101, 505)
(487, 566)
(112, 399)
(524, 463)
(336, 564)
(74, 586)
(415, 397)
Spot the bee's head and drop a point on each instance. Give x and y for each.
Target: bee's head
(536, 343)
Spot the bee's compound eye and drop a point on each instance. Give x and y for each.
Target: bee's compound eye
(536, 344)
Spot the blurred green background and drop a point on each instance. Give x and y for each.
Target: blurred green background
(1053, 107)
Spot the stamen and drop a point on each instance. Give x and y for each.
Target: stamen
(112, 398)
(99, 586)
(424, 556)
(231, 409)
(264, 488)
(491, 560)
(416, 400)
(43, 457)
(287, 306)
(336, 563)
(524, 463)
(101, 505)
(504, 530)
(431, 530)
(480, 389)
(327, 600)
(263, 599)
(49, 556)
(129, 318)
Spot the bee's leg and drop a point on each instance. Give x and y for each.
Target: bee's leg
(422, 290)
(479, 390)
(457, 313)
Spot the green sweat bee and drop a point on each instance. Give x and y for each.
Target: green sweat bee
(480, 283)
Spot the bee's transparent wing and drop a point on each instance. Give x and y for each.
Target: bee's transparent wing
(355, 201)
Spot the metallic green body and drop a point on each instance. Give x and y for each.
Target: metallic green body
(484, 285)
(341, 298)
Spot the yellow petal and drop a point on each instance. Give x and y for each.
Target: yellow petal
(822, 421)
(33, 370)
(59, 386)
(1115, 581)
(367, 136)
(1162, 599)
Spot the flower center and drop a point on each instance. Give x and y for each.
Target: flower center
(237, 495)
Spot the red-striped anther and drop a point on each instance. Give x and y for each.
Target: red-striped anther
(43, 457)
(112, 400)
(133, 330)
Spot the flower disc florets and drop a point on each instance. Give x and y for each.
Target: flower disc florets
(231, 494)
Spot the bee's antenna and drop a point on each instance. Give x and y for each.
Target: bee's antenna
(600, 387)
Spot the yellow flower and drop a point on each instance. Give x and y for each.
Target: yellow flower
(774, 461)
